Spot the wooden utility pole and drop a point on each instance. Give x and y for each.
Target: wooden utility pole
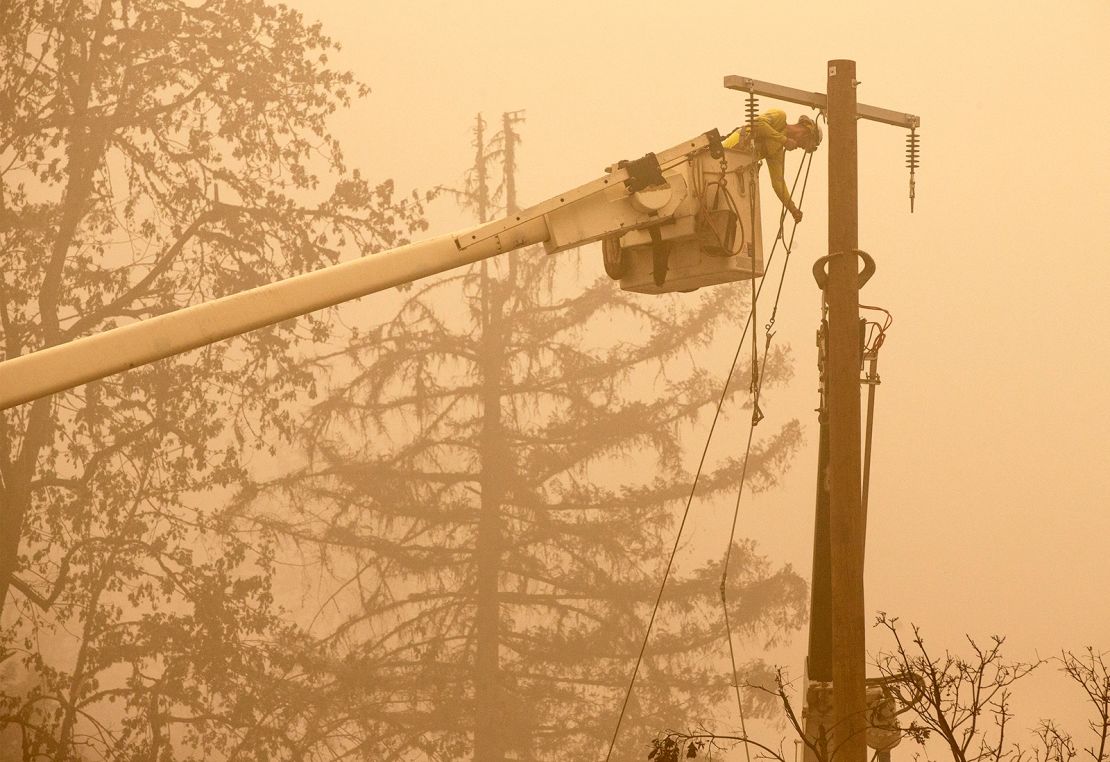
(837, 626)
(846, 523)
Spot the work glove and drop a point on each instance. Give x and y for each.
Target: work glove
(797, 213)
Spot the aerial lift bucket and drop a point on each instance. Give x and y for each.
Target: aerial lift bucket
(716, 238)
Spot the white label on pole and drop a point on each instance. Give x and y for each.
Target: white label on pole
(832, 71)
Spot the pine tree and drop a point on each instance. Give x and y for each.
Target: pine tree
(494, 486)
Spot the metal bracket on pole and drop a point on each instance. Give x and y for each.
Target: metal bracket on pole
(821, 275)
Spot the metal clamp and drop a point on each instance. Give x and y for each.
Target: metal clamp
(821, 275)
(644, 172)
(716, 149)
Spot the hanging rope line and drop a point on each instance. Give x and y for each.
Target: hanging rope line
(701, 464)
(757, 416)
(724, 573)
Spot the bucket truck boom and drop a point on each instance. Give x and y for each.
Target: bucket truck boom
(671, 221)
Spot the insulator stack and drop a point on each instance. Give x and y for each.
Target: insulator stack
(912, 147)
(752, 109)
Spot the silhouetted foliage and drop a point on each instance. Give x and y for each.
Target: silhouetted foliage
(1087, 670)
(962, 703)
(948, 705)
(156, 154)
(494, 489)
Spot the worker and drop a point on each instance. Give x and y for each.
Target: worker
(773, 137)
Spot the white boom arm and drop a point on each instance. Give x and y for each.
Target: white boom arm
(629, 198)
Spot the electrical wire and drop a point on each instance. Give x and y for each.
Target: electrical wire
(873, 341)
(756, 417)
(697, 475)
(678, 537)
(722, 189)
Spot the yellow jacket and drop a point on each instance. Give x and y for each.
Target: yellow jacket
(769, 129)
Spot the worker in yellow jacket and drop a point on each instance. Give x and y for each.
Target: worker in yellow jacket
(773, 137)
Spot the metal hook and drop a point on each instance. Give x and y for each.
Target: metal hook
(821, 275)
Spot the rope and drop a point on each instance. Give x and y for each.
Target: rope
(678, 537)
(789, 246)
(722, 189)
(697, 476)
(756, 417)
(752, 188)
(728, 557)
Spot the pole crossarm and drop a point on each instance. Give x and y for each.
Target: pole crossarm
(818, 101)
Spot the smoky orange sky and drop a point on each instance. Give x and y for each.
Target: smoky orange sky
(991, 469)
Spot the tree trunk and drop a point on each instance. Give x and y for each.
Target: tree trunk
(16, 494)
(66, 750)
(489, 740)
(85, 151)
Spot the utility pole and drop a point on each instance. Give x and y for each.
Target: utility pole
(846, 523)
(836, 715)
